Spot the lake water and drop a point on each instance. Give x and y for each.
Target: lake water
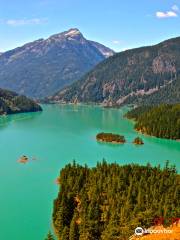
(55, 137)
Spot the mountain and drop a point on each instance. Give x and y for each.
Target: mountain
(128, 76)
(11, 102)
(106, 52)
(42, 67)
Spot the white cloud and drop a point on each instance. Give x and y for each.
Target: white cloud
(23, 22)
(175, 8)
(167, 14)
(116, 41)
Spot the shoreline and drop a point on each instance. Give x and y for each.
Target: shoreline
(113, 142)
(148, 135)
(54, 231)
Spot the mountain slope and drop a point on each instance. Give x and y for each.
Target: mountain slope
(127, 75)
(104, 50)
(169, 94)
(42, 67)
(11, 102)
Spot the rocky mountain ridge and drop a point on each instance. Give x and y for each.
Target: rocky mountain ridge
(42, 67)
(127, 76)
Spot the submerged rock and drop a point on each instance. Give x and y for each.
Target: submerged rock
(23, 159)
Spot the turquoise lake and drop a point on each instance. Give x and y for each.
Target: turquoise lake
(55, 137)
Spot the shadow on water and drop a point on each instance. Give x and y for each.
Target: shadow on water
(102, 119)
(161, 142)
(8, 119)
(112, 145)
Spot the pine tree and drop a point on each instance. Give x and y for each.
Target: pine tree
(74, 232)
(113, 200)
(65, 234)
(49, 236)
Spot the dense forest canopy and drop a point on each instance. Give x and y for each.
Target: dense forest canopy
(109, 201)
(169, 94)
(161, 121)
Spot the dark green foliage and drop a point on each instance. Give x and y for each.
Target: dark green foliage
(126, 76)
(110, 137)
(11, 102)
(41, 68)
(136, 112)
(65, 233)
(161, 121)
(110, 201)
(138, 141)
(74, 229)
(169, 95)
(50, 237)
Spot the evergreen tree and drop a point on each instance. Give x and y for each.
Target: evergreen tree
(65, 233)
(162, 121)
(49, 236)
(74, 231)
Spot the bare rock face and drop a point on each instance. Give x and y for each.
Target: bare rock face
(164, 64)
(108, 89)
(128, 76)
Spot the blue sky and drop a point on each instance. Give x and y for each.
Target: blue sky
(119, 24)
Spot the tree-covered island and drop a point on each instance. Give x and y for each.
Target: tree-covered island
(110, 138)
(138, 141)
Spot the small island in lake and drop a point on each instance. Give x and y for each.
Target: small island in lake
(23, 159)
(138, 141)
(110, 138)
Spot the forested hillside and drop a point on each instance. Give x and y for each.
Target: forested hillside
(161, 121)
(129, 76)
(109, 201)
(11, 102)
(169, 94)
